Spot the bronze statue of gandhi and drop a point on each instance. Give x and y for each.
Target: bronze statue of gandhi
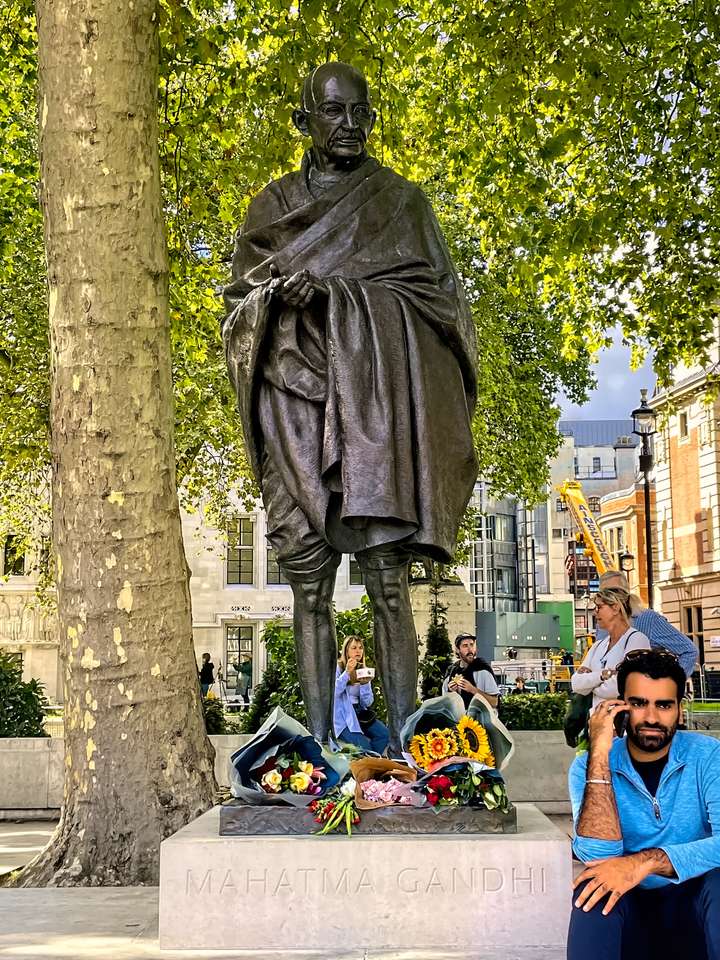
(352, 352)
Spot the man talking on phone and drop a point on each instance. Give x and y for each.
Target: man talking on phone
(646, 808)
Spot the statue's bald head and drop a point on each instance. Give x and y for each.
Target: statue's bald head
(313, 87)
(337, 115)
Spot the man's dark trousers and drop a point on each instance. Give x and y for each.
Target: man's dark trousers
(676, 920)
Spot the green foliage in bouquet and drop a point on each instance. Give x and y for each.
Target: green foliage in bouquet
(534, 711)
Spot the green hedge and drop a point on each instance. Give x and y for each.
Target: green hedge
(22, 704)
(534, 711)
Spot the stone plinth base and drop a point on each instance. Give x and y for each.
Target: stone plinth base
(334, 894)
(242, 820)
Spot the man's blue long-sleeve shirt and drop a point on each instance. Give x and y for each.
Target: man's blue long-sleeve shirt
(661, 633)
(683, 819)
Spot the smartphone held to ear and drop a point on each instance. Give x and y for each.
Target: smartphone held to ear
(621, 722)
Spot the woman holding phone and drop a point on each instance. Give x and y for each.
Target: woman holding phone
(598, 673)
(354, 720)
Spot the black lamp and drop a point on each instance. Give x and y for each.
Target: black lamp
(644, 418)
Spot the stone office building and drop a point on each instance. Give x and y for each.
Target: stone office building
(236, 588)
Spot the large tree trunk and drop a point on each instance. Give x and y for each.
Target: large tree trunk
(138, 762)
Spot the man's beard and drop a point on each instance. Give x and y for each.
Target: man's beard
(653, 743)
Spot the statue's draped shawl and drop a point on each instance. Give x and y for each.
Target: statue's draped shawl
(362, 401)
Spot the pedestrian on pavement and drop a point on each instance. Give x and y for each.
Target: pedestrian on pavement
(207, 674)
(469, 674)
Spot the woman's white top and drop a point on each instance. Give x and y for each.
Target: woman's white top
(599, 658)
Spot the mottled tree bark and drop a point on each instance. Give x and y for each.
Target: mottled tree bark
(138, 762)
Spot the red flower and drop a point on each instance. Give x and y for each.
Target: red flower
(439, 782)
(432, 798)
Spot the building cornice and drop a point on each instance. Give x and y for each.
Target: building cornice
(692, 384)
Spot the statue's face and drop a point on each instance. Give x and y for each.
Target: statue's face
(341, 118)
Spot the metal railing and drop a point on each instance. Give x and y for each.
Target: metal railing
(54, 722)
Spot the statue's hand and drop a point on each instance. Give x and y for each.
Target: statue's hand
(299, 289)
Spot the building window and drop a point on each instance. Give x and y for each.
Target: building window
(505, 581)
(274, 573)
(594, 504)
(693, 627)
(560, 505)
(240, 552)
(683, 424)
(503, 528)
(596, 466)
(13, 557)
(557, 533)
(355, 576)
(238, 652)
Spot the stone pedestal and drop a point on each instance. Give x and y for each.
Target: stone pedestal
(244, 820)
(382, 893)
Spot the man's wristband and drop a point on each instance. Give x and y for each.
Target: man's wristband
(609, 782)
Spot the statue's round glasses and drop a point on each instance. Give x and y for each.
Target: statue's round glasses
(361, 112)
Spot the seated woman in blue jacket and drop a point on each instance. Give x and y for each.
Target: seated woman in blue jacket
(353, 698)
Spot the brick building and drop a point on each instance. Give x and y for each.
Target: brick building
(622, 523)
(687, 478)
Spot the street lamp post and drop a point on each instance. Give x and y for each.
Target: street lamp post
(644, 427)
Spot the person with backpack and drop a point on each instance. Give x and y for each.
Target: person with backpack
(469, 674)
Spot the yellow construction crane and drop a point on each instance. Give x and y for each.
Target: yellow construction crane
(589, 532)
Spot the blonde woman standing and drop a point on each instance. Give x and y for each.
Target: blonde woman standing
(598, 673)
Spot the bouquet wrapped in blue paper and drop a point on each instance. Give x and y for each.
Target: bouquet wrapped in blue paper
(284, 764)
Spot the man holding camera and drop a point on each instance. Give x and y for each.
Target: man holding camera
(647, 824)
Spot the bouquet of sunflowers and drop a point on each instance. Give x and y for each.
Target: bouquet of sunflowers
(467, 738)
(440, 730)
(459, 753)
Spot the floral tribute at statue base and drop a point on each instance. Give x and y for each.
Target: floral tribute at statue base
(286, 783)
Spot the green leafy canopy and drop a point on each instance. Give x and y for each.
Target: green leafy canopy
(569, 149)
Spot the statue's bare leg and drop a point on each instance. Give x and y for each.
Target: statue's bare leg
(316, 651)
(395, 642)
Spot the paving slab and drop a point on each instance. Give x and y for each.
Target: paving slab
(20, 842)
(120, 923)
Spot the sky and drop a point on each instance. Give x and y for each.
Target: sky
(618, 391)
